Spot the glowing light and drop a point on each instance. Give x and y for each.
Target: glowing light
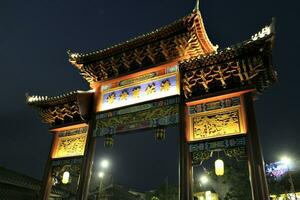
(219, 167)
(32, 98)
(101, 174)
(208, 195)
(65, 177)
(74, 55)
(104, 164)
(203, 179)
(286, 160)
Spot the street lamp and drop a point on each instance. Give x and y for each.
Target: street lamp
(203, 179)
(101, 176)
(287, 161)
(104, 164)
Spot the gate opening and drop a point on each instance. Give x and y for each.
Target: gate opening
(139, 165)
(222, 177)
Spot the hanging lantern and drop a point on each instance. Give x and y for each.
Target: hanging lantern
(219, 167)
(108, 141)
(160, 133)
(66, 177)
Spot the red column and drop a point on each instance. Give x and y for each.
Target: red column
(185, 167)
(256, 164)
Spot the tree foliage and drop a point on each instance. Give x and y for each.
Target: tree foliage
(164, 192)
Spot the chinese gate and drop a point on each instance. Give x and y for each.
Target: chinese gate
(173, 75)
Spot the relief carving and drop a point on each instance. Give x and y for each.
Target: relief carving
(70, 146)
(216, 124)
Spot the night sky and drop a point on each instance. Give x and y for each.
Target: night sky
(35, 35)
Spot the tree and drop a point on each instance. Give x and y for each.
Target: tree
(234, 184)
(163, 193)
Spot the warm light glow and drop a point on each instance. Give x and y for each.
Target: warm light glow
(286, 160)
(101, 174)
(72, 145)
(104, 164)
(219, 167)
(208, 195)
(74, 55)
(66, 177)
(203, 179)
(36, 98)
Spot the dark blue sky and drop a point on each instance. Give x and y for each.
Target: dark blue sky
(35, 35)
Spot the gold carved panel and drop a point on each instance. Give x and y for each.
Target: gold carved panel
(208, 125)
(68, 146)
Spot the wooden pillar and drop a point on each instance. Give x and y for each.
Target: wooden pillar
(185, 167)
(85, 174)
(258, 179)
(47, 178)
(87, 110)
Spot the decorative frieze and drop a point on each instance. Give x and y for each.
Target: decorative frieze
(225, 75)
(163, 112)
(231, 147)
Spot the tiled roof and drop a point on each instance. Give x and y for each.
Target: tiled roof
(17, 179)
(184, 38)
(41, 101)
(256, 41)
(14, 184)
(245, 65)
(177, 27)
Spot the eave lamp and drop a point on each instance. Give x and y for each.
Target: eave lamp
(219, 167)
(160, 133)
(108, 141)
(66, 177)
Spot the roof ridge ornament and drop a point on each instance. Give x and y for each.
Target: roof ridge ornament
(272, 25)
(266, 31)
(197, 6)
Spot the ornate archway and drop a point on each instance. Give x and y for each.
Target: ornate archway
(172, 75)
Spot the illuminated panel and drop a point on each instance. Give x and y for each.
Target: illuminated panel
(215, 119)
(150, 89)
(70, 143)
(215, 125)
